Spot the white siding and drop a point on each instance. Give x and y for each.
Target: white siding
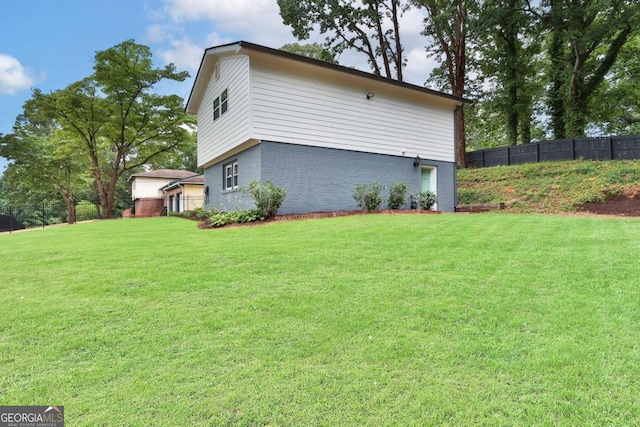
(232, 128)
(143, 188)
(321, 112)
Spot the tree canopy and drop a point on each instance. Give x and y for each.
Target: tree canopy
(113, 121)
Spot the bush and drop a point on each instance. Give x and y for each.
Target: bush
(268, 197)
(368, 196)
(472, 197)
(397, 195)
(220, 219)
(199, 213)
(247, 215)
(427, 200)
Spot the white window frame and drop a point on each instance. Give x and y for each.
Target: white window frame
(221, 104)
(230, 176)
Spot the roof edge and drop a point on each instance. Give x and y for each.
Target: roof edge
(241, 44)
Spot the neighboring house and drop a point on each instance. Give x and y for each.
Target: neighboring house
(146, 189)
(317, 129)
(184, 194)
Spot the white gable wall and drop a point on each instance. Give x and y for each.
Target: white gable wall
(233, 127)
(321, 111)
(148, 187)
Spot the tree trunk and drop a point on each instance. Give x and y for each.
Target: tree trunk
(71, 210)
(556, 95)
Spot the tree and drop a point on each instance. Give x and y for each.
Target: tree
(447, 25)
(313, 50)
(586, 38)
(41, 159)
(510, 44)
(371, 27)
(616, 106)
(115, 116)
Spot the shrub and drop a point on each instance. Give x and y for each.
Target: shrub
(219, 219)
(199, 213)
(86, 210)
(471, 197)
(247, 215)
(368, 196)
(268, 197)
(397, 195)
(427, 200)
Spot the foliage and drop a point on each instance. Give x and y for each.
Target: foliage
(547, 187)
(312, 50)
(397, 195)
(267, 196)
(220, 219)
(116, 118)
(86, 210)
(368, 196)
(509, 64)
(616, 108)
(427, 200)
(585, 41)
(42, 159)
(370, 27)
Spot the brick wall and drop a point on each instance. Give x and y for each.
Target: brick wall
(148, 207)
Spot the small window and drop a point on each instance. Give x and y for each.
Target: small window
(230, 178)
(223, 102)
(220, 104)
(216, 108)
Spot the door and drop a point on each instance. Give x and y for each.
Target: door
(428, 180)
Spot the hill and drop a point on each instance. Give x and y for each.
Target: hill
(601, 187)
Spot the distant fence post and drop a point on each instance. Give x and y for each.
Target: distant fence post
(610, 148)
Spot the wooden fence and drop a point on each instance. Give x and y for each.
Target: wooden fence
(606, 148)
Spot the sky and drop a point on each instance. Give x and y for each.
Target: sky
(49, 44)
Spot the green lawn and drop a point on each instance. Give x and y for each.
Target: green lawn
(369, 320)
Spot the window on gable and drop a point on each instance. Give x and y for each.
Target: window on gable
(221, 104)
(230, 178)
(216, 108)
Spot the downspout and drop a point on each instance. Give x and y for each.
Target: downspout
(182, 195)
(455, 156)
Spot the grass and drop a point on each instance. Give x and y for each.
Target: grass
(547, 187)
(375, 320)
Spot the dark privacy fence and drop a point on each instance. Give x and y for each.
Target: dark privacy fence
(607, 148)
(19, 217)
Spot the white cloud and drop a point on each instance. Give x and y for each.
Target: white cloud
(13, 76)
(256, 21)
(259, 21)
(183, 53)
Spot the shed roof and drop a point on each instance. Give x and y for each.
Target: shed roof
(164, 173)
(192, 180)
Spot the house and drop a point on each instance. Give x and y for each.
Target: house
(184, 194)
(147, 190)
(317, 129)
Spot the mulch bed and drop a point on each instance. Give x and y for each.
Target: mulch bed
(206, 224)
(626, 203)
(619, 205)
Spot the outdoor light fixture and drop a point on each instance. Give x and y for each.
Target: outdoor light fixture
(370, 95)
(416, 162)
